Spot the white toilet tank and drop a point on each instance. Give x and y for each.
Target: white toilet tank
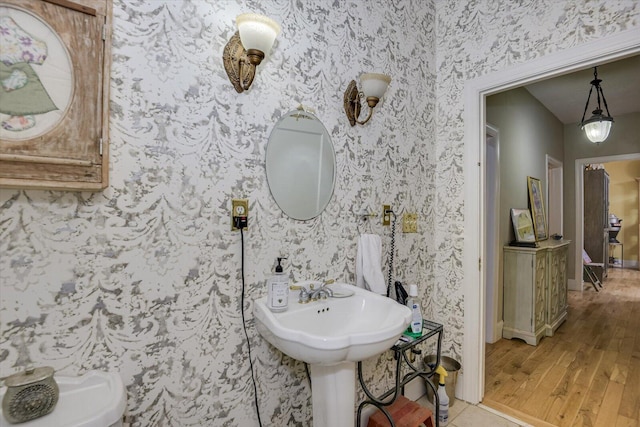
(96, 399)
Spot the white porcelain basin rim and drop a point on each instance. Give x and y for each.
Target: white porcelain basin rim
(354, 324)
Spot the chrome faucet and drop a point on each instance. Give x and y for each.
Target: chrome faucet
(313, 294)
(322, 292)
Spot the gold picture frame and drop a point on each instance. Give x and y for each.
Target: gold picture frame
(536, 204)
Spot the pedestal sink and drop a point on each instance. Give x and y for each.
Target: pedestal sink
(331, 335)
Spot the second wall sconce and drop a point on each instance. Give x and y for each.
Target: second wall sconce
(247, 48)
(374, 86)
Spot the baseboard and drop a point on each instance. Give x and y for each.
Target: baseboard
(575, 285)
(633, 264)
(499, 327)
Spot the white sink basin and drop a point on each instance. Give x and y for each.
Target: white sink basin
(334, 330)
(332, 335)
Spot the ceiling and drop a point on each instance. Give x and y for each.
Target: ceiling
(565, 96)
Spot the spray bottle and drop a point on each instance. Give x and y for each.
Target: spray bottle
(443, 417)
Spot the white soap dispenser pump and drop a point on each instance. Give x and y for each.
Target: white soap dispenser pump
(278, 289)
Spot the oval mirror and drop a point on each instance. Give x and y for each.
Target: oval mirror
(300, 165)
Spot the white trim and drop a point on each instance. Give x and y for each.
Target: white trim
(557, 167)
(505, 416)
(579, 181)
(493, 329)
(608, 48)
(574, 284)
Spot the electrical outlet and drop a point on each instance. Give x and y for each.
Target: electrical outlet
(410, 223)
(239, 208)
(386, 217)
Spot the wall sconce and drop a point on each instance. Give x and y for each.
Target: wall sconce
(598, 126)
(373, 87)
(247, 48)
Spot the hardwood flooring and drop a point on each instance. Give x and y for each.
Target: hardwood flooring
(587, 374)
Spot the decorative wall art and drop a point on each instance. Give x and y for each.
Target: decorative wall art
(54, 73)
(536, 203)
(522, 226)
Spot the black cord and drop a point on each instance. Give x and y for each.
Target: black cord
(306, 368)
(246, 334)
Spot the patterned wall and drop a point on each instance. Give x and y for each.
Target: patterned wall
(144, 277)
(475, 38)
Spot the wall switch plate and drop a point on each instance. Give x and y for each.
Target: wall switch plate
(239, 207)
(410, 223)
(386, 217)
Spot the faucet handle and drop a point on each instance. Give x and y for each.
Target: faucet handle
(304, 296)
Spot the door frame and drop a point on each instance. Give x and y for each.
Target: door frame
(555, 197)
(493, 310)
(586, 55)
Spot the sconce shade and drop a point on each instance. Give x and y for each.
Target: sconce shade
(374, 85)
(597, 128)
(247, 48)
(257, 32)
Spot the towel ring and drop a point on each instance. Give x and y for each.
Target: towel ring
(365, 218)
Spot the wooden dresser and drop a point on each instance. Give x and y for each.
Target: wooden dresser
(535, 290)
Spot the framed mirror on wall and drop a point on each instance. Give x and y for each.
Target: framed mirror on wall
(300, 165)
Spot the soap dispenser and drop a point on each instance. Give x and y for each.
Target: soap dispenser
(278, 289)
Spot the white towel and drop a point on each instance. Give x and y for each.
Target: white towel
(368, 264)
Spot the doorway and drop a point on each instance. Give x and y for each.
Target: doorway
(609, 48)
(579, 182)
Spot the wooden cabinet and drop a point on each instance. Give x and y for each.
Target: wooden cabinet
(54, 97)
(596, 218)
(556, 292)
(535, 290)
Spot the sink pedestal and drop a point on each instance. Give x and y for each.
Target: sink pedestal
(334, 394)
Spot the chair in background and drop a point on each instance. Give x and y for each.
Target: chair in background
(587, 268)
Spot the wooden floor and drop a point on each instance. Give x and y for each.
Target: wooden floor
(587, 374)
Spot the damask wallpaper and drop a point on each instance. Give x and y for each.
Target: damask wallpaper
(144, 277)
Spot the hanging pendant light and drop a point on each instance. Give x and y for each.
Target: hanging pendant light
(597, 127)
